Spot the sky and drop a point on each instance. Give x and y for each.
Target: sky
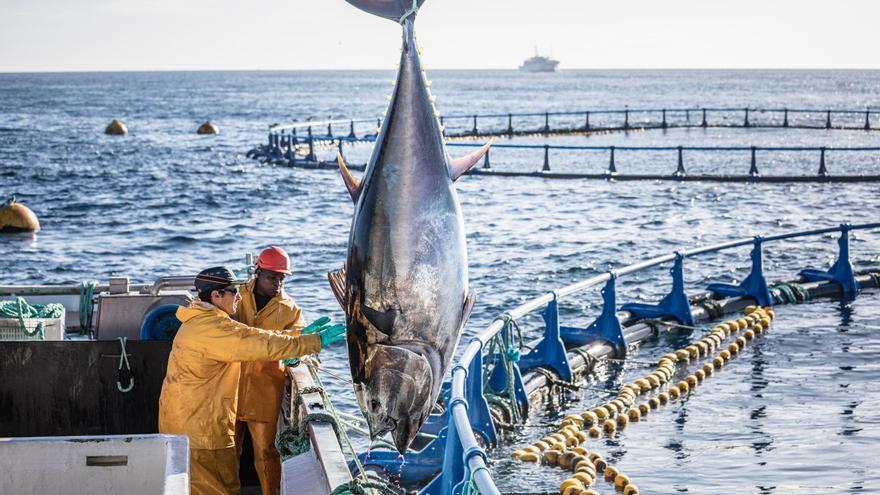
(99, 35)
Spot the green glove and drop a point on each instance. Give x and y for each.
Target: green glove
(317, 325)
(331, 334)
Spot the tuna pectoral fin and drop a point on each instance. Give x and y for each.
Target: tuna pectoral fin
(382, 320)
(459, 166)
(353, 185)
(337, 285)
(469, 301)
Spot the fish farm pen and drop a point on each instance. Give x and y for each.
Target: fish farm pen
(500, 382)
(313, 144)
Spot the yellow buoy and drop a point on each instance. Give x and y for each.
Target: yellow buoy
(644, 408)
(601, 413)
(708, 369)
(635, 413)
(733, 349)
(609, 426)
(16, 217)
(595, 432)
(620, 481)
(683, 355)
(725, 355)
(663, 398)
(718, 362)
(565, 460)
(700, 374)
(116, 128)
(600, 464)
(692, 381)
(580, 451)
(590, 418)
(585, 466)
(571, 486)
(532, 449)
(611, 472)
(208, 128)
(516, 454)
(623, 420)
(654, 402)
(584, 478)
(530, 457)
(674, 393)
(551, 456)
(630, 490)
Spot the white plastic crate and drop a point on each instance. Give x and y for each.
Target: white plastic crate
(53, 328)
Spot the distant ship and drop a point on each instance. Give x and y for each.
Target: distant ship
(539, 63)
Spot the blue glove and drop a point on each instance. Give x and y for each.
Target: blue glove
(331, 334)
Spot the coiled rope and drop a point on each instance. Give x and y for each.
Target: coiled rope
(20, 309)
(790, 293)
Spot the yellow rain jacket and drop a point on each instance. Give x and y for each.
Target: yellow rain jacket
(259, 391)
(200, 390)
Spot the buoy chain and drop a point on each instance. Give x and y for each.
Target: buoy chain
(563, 447)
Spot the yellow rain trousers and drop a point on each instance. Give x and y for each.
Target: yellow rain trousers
(200, 391)
(261, 385)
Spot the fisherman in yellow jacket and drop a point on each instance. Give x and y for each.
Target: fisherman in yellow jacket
(264, 304)
(200, 390)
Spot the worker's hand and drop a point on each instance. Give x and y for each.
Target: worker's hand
(331, 334)
(313, 360)
(316, 326)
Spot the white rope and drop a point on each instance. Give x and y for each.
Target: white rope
(412, 10)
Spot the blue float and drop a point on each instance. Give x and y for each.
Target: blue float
(842, 270)
(605, 328)
(754, 286)
(550, 351)
(674, 305)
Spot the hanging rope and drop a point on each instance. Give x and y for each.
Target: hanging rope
(502, 345)
(124, 369)
(86, 302)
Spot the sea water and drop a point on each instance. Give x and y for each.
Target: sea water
(794, 414)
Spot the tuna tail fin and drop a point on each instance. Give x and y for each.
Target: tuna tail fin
(337, 285)
(395, 10)
(353, 185)
(460, 166)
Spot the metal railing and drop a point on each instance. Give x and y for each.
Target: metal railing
(474, 456)
(616, 119)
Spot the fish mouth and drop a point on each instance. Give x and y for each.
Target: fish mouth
(397, 395)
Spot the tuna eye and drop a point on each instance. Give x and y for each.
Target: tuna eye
(374, 404)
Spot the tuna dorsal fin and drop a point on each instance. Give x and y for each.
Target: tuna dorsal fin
(469, 300)
(337, 285)
(459, 166)
(351, 183)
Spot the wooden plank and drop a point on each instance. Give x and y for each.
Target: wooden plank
(325, 444)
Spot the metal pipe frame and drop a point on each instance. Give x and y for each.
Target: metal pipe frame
(475, 454)
(660, 111)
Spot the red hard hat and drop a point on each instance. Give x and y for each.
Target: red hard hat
(275, 259)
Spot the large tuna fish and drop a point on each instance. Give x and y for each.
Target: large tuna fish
(405, 284)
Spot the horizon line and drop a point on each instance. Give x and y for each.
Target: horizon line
(505, 69)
